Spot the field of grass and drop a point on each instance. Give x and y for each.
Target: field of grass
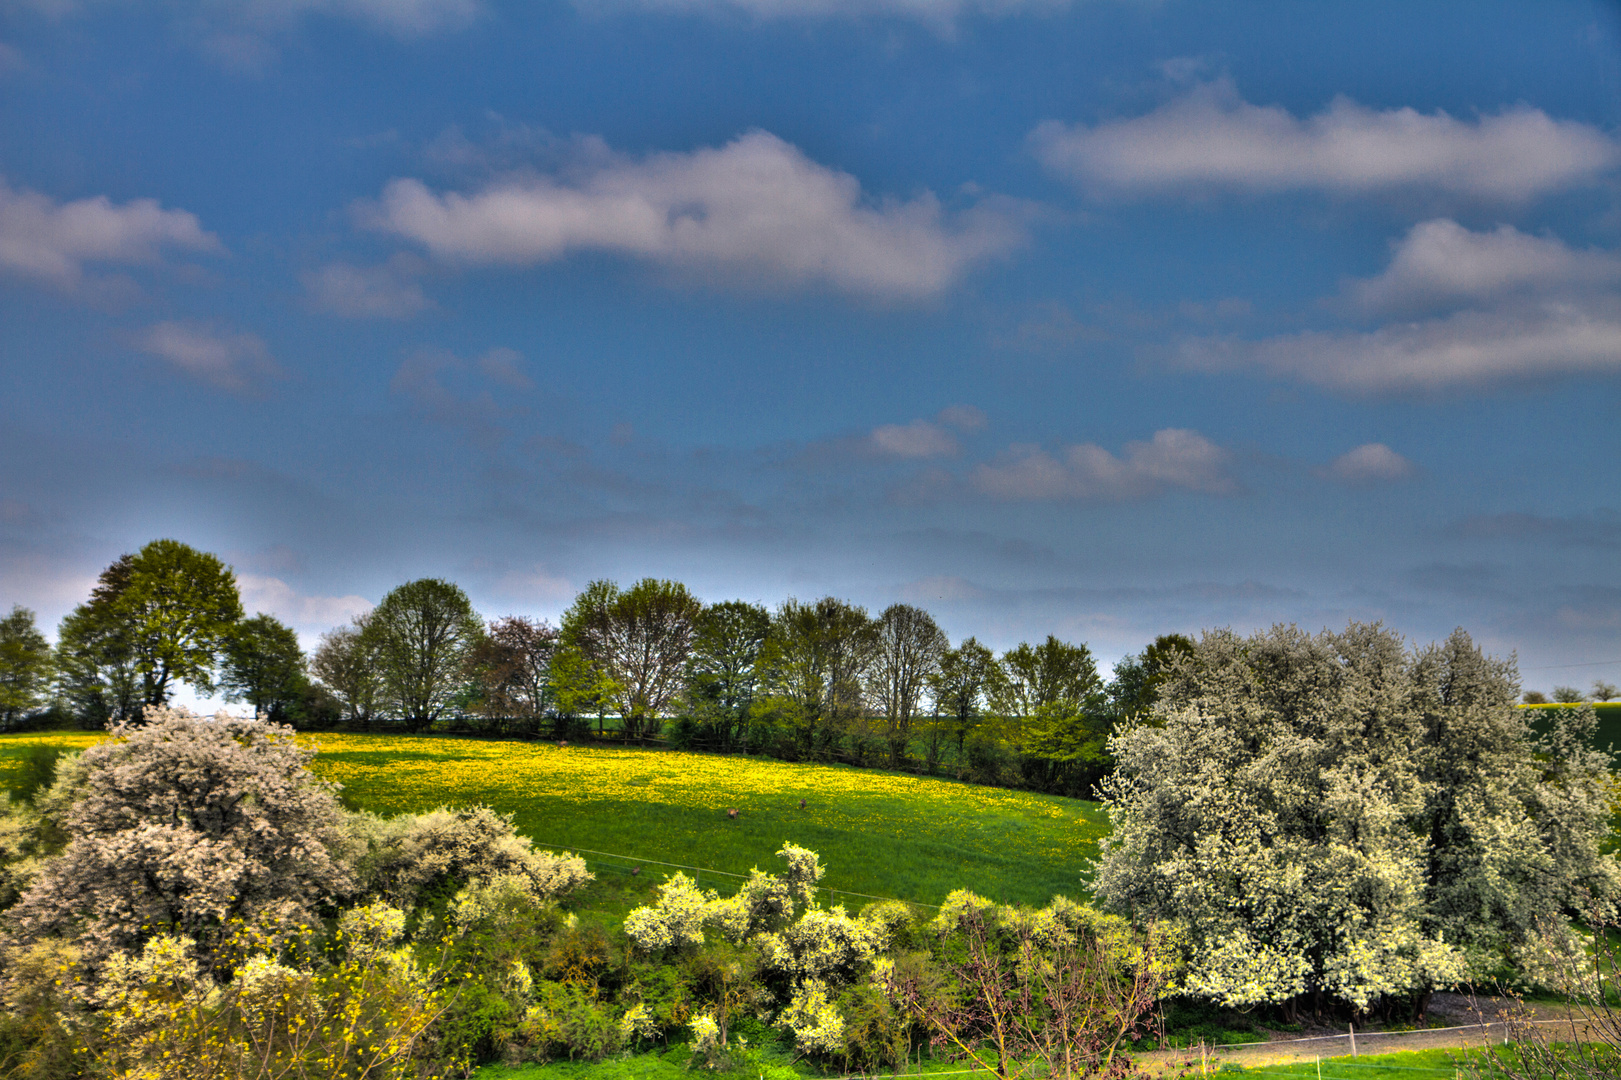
(882, 834)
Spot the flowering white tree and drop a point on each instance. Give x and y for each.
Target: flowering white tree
(1335, 815)
(180, 825)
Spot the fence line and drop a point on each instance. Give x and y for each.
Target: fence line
(1479, 1026)
(720, 873)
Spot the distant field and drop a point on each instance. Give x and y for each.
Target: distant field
(879, 833)
(1609, 722)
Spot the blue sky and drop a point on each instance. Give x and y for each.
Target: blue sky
(1098, 318)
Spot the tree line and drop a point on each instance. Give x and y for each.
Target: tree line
(820, 680)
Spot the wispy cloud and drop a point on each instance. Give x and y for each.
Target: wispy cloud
(942, 14)
(311, 614)
(51, 241)
(1211, 137)
(1532, 341)
(421, 379)
(237, 363)
(754, 208)
(1601, 529)
(1175, 458)
(367, 292)
(1368, 464)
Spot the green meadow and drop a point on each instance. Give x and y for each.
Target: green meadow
(879, 833)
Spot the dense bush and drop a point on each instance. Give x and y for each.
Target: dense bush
(184, 826)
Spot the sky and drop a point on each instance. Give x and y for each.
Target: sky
(1098, 318)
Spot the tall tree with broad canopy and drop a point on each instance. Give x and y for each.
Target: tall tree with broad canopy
(421, 637)
(264, 666)
(908, 644)
(344, 663)
(25, 666)
(1334, 816)
(723, 670)
(1137, 678)
(164, 613)
(94, 658)
(639, 639)
(814, 665)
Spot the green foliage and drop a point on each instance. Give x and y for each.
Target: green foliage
(264, 666)
(25, 666)
(157, 617)
(421, 638)
(638, 641)
(723, 673)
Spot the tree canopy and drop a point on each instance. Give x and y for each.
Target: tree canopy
(25, 665)
(421, 637)
(1336, 814)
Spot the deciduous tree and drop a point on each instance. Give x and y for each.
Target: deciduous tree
(514, 671)
(181, 825)
(264, 666)
(723, 670)
(814, 666)
(639, 638)
(969, 677)
(421, 637)
(907, 648)
(1337, 816)
(346, 664)
(25, 666)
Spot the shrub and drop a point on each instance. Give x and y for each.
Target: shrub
(179, 827)
(404, 857)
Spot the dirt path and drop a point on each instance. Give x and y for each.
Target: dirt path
(1463, 1029)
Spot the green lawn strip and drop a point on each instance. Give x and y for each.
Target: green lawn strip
(677, 1062)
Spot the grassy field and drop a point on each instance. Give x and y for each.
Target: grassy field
(882, 834)
(1609, 722)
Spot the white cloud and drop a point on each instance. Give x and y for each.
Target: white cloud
(44, 239)
(235, 363)
(754, 208)
(1441, 261)
(1173, 458)
(1515, 342)
(919, 439)
(407, 18)
(1371, 463)
(366, 292)
(926, 438)
(273, 596)
(940, 13)
(1211, 137)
